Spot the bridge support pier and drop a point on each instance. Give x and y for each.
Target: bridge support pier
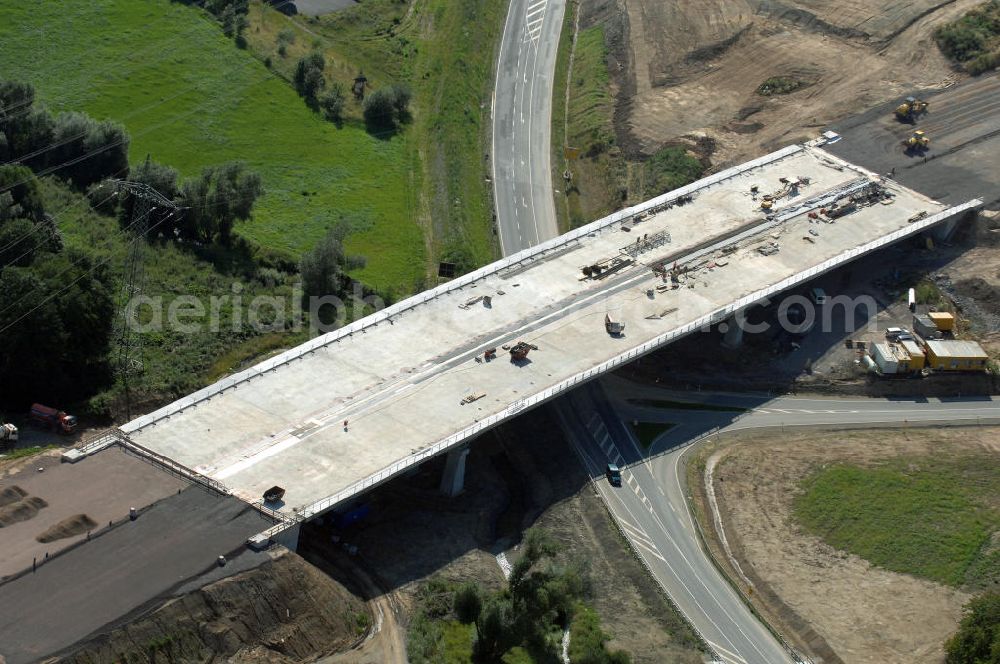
(943, 231)
(734, 333)
(453, 478)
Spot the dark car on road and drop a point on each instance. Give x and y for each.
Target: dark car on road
(614, 475)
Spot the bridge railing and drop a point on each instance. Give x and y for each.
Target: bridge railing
(712, 318)
(390, 313)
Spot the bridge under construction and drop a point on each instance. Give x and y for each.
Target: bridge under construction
(352, 408)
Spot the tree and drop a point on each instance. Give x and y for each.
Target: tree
(24, 128)
(217, 199)
(324, 268)
(978, 638)
(86, 151)
(20, 240)
(387, 107)
(332, 103)
(60, 312)
(401, 102)
(160, 177)
(308, 78)
(380, 109)
(25, 194)
(468, 603)
(496, 630)
(108, 144)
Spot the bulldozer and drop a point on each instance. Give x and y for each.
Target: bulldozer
(911, 109)
(917, 142)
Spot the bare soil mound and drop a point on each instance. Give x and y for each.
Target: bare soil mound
(11, 494)
(283, 611)
(21, 510)
(68, 527)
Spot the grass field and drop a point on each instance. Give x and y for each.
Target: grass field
(604, 178)
(583, 123)
(930, 517)
(190, 98)
(443, 49)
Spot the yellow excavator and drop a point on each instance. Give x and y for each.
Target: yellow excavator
(917, 142)
(911, 109)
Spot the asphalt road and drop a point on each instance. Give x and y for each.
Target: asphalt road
(651, 505)
(963, 124)
(522, 121)
(169, 549)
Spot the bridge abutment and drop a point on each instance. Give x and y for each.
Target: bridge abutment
(289, 537)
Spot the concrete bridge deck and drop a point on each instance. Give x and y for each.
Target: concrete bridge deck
(398, 377)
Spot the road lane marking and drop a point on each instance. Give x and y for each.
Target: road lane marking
(673, 572)
(728, 655)
(651, 550)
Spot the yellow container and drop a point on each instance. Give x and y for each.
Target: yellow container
(943, 320)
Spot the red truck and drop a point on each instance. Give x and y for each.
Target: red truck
(54, 419)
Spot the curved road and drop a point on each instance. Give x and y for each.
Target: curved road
(522, 121)
(651, 505)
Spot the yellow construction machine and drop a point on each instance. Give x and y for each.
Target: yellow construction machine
(911, 109)
(917, 142)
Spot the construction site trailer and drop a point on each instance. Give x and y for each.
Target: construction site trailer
(926, 327)
(902, 358)
(953, 355)
(944, 320)
(884, 358)
(916, 359)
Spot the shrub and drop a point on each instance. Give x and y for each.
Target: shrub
(973, 39)
(387, 107)
(468, 603)
(332, 103)
(308, 77)
(978, 638)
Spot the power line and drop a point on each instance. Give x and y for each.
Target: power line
(68, 286)
(219, 201)
(147, 199)
(55, 216)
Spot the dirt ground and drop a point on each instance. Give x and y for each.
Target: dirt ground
(284, 611)
(522, 474)
(835, 605)
(694, 68)
(61, 498)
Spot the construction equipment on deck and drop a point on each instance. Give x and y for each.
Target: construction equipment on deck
(614, 327)
(917, 142)
(911, 109)
(606, 267)
(274, 494)
(473, 397)
(519, 351)
(789, 187)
